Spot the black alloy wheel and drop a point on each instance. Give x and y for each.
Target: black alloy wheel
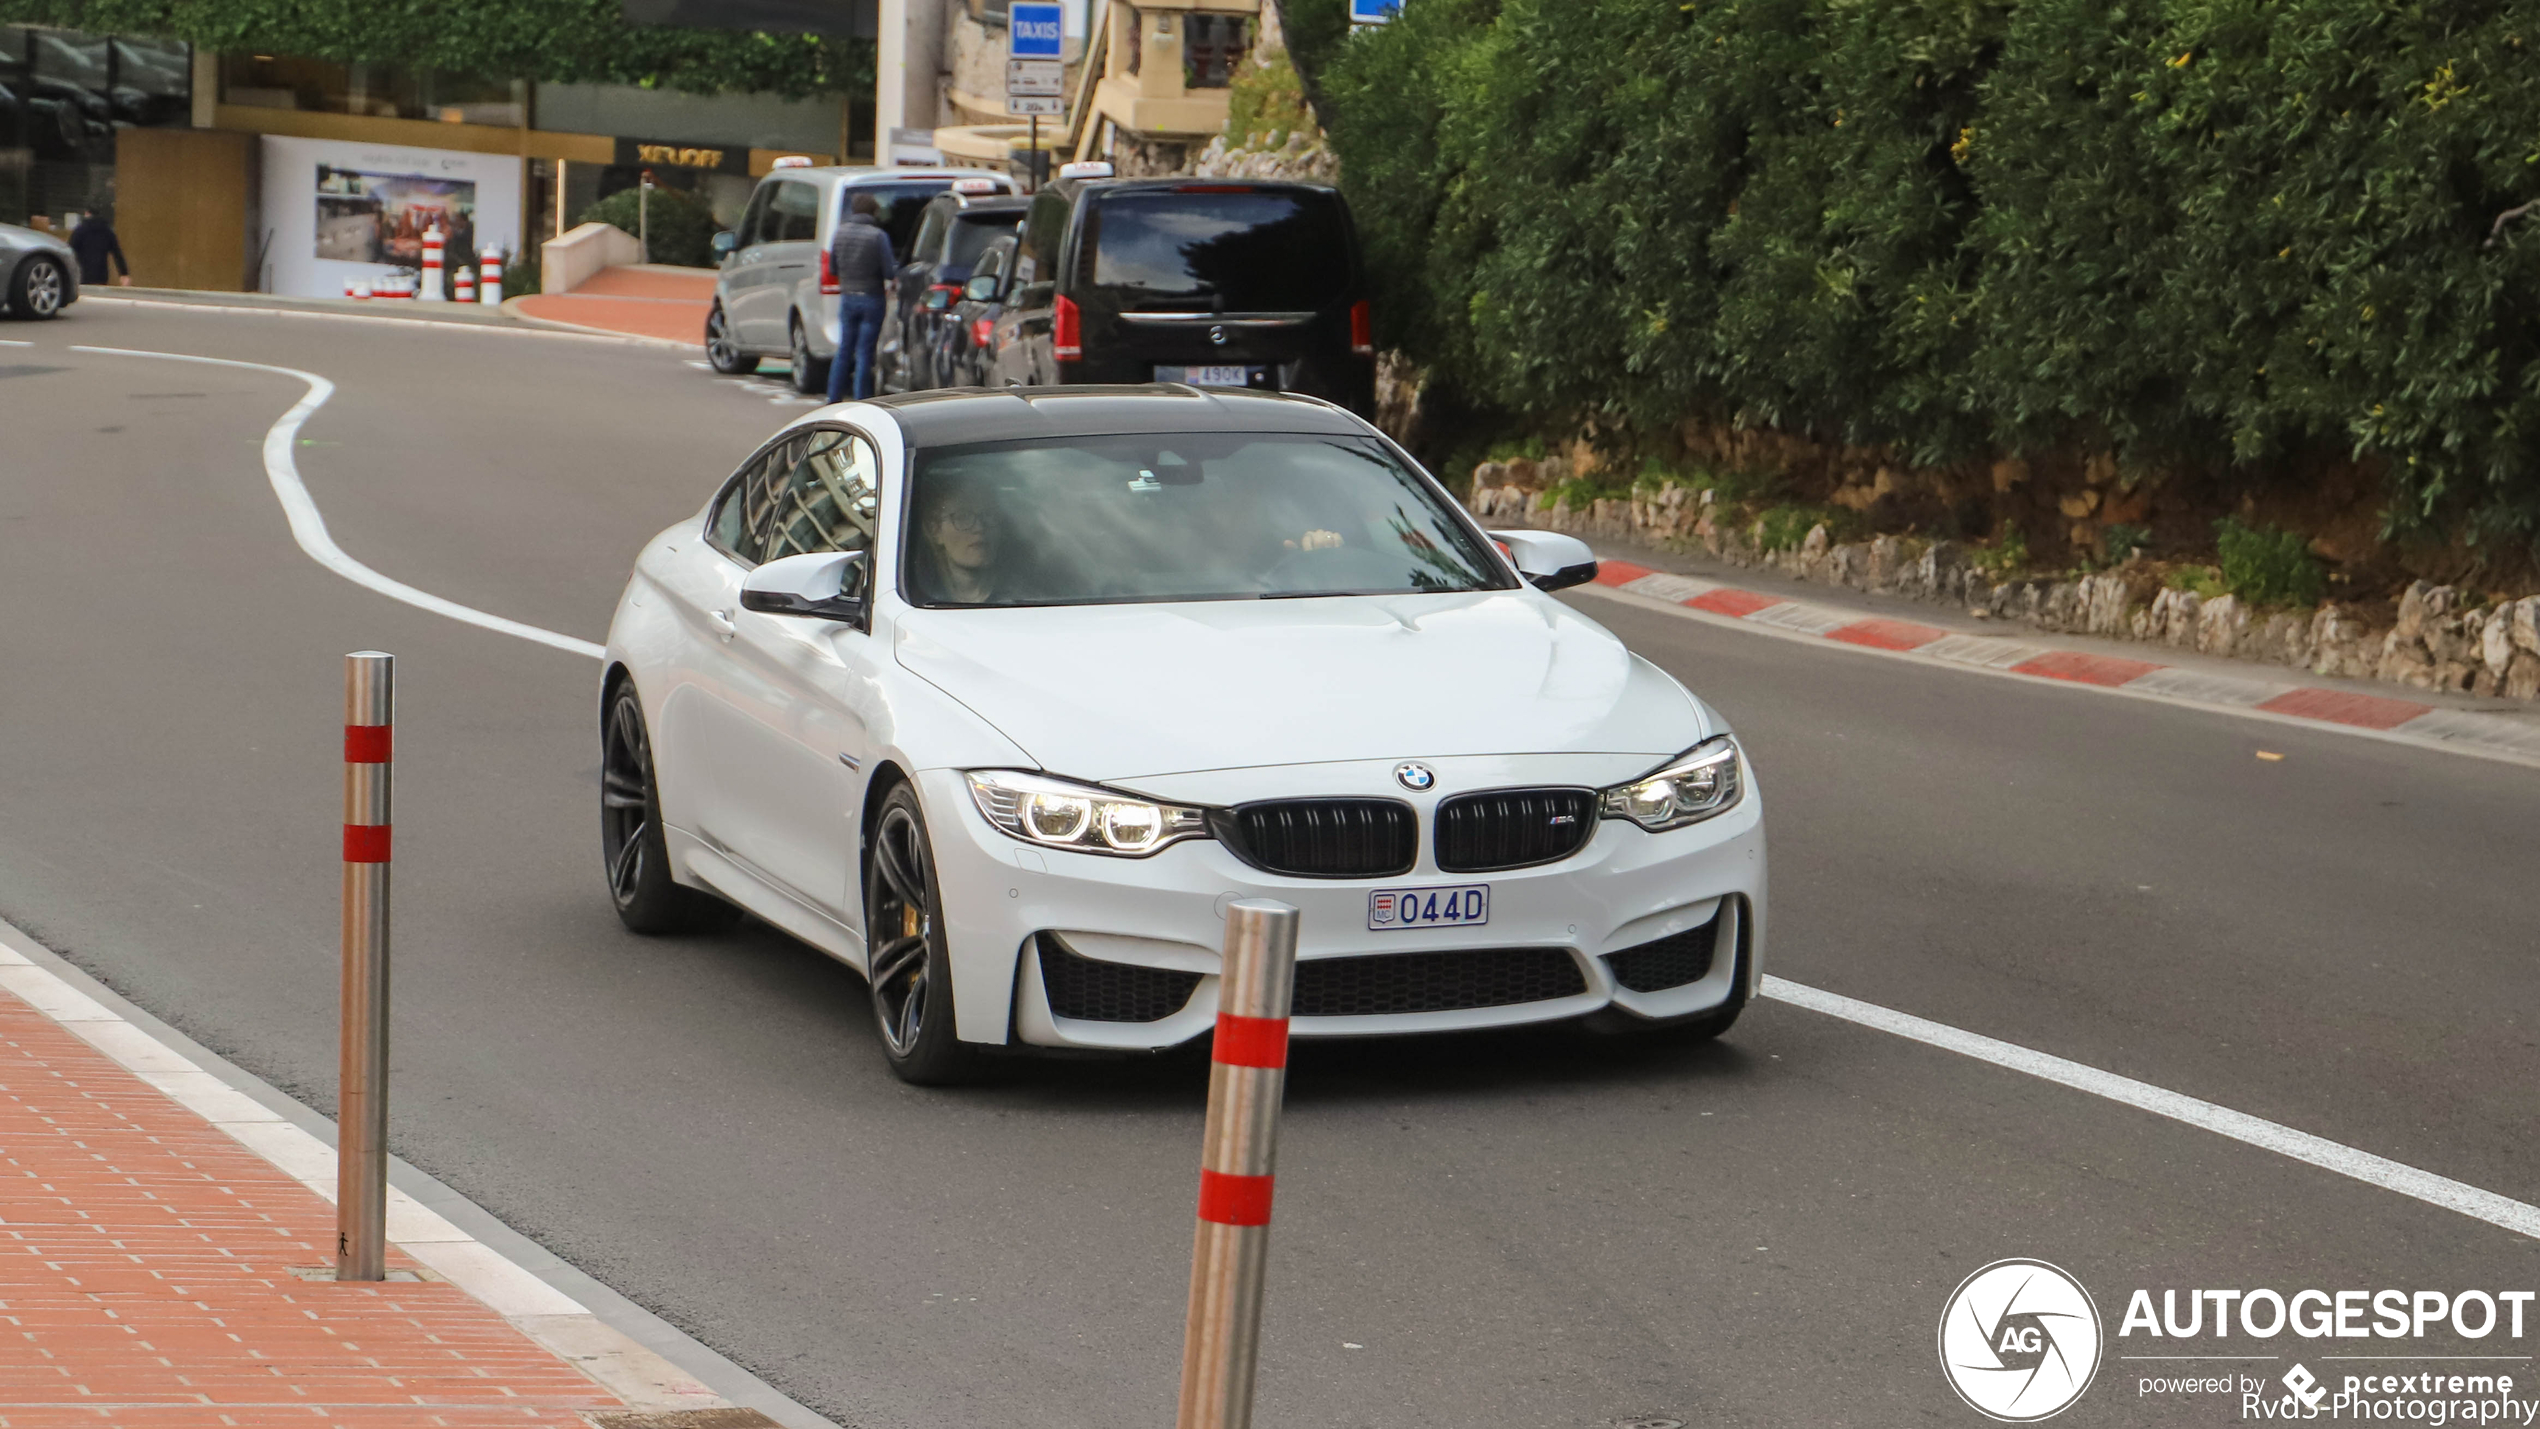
(811, 375)
(904, 955)
(632, 850)
(723, 351)
(39, 289)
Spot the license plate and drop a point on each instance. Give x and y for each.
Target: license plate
(1457, 907)
(1206, 376)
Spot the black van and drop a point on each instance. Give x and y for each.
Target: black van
(1217, 282)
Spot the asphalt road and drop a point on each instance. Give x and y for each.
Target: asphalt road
(1546, 1229)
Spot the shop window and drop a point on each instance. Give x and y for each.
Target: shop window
(1212, 45)
(63, 93)
(378, 91)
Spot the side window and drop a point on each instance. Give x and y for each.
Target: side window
(930, 235)
(1036, 259)
(740, 522)
(795, 215)
(753, 216)
(828, 498)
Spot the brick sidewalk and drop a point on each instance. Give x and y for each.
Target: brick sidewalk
(146, 1279)
(644, 302)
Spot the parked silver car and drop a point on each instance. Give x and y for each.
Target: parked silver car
(773, 297)
(37, 277)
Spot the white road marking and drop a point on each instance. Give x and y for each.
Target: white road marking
(2451, 1195)
(517, 328)
(13, 342)
(308, 526)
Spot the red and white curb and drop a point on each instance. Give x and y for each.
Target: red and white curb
(2492, 736)
(562, 1324)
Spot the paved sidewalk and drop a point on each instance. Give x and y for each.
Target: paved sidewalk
(648, 300)
(151, 1276)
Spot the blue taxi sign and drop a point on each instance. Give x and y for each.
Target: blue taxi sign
(1035, 31)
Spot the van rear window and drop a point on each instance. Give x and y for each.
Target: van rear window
(1216, 250)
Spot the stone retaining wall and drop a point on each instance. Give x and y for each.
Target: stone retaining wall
(2438, 640)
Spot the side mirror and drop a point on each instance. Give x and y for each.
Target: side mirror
(723, 243)
(1547, 559)
(823, 585)
(981, 289)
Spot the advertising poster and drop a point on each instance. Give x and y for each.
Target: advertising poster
(334, 211)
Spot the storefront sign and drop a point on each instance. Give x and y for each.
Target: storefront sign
(662, 154)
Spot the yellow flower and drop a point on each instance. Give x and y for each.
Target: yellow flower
(2181, 61)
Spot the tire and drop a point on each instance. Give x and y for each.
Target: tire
(906, 962)
(723, 353)
(634, 858)
(811, 375)
(39, 289)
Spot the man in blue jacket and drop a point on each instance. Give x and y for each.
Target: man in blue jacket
(860, 258)
(92, 243)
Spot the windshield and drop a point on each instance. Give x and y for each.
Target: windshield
(903, 206)
(971, 236)
(1217, 516)
(1209, 249)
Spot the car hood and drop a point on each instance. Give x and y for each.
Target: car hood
(27, 239)
(1116, 692)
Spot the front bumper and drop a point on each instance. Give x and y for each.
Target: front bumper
(1626, 889)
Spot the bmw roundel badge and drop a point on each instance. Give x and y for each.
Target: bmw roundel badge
(1414, 776)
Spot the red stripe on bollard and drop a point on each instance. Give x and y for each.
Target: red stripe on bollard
(1234, 1200)
(1251, 1041)
(366, 843)
(368, 743)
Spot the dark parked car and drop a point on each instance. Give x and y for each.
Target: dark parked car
(1213, 282)
(968, 352)
(955, 229)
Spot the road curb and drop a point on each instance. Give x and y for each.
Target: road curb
(651, 1365)
(341, 310)
(522, 315)
(2484, 736)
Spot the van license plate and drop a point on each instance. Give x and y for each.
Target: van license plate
(1206, 376)
(1429, 907)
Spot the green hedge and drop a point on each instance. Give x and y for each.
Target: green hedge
(680, 225)
(2223, 237)
(582, 41)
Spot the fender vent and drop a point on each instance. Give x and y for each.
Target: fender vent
(1091, 990)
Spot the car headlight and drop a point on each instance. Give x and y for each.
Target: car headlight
(1705, 780)
(1055, 813)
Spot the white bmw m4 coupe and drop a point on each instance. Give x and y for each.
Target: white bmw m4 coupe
(1001, 698)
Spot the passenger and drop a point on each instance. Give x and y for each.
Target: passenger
(957, 525)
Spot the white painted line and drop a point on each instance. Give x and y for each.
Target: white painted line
(1991, 651)
(2480, 730)
(2209, 688)
(13, 342)
(1806, 619)
(50, 995)
(2301, 1146)
(1666, 586)
(308, 526)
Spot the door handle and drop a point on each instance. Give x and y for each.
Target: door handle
(722, 621)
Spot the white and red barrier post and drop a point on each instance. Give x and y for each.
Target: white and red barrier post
(1230, 1256)
(433, 244)
(490, 277)
(361, 1094)
(466, 283)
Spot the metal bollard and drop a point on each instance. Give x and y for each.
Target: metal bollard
(361, 1094)
(1230, 1256)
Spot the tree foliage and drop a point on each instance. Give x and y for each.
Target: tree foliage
(585, 41)
(679, 225)
(2224, 235)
